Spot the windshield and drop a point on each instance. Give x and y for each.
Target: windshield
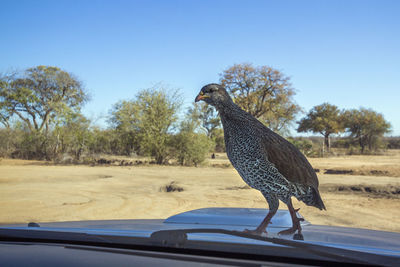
(115, 110)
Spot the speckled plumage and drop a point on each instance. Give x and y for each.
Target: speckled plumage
(266, 161)
(253, 150)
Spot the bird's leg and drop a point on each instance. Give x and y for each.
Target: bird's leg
(262, 228)
(273, 203)
(296, 221)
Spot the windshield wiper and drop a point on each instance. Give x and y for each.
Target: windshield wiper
(179, 238)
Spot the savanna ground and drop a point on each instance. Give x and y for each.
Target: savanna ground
(359, 191)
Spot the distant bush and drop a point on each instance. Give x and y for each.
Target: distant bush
(6, 145)
(392, 142)
(353, 147)
(219, 141)
(191, 148)
(306, 146)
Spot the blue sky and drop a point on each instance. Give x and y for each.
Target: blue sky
(346, 53)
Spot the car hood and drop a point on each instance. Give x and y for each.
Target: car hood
(378, 242)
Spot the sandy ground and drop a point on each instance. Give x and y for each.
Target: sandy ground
(32, 191)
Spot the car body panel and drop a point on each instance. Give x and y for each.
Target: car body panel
(371, 241)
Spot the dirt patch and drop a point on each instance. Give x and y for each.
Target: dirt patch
(335, 171)
(389, 191)
(32, 192)
(369, 165)
(117, 162)
(76, 203)
(171, 187)
(238, 187)
(376, 173)
(363, 171)
(221, 165)
(18, 162)
(105, 176)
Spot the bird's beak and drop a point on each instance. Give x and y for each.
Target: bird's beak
(200, 96)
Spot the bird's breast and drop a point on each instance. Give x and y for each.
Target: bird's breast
(242, 146)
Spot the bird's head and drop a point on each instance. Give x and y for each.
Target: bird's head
(214, 94)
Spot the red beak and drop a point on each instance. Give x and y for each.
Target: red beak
(199, 97)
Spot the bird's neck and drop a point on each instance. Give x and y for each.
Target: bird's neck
(229, 111)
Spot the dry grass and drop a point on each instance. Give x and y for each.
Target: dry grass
(37, 191)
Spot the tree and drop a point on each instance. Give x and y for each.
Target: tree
(366, 126)
(158, 113)
(72, 134)
(7, 136)
(191, 145)
(324, 119)
(124, 119)
(104, 141)
(5, 114)
(262, 91)
(150, 118)
(219, 141)
(40, 94)
(304, 145)
(207, 116)
(207, 119)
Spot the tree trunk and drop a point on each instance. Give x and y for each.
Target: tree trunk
(78, 154)
(362, 144)
(370, 142)
(327, 142)
(159, 159)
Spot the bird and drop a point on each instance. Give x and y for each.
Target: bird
(265, 160)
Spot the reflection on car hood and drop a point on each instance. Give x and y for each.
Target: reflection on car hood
(372, 241)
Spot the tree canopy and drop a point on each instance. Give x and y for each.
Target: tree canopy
(191, 145)
(40, 118)
(148, 120)
(38, 95)
(366, 126)
(324, 119)
(207, 116)
(264, 92)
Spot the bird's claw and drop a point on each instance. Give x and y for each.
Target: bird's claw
(258, 232)
(288, 231)
(296, 227)
(298, 237)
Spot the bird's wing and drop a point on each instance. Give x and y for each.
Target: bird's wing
(289, 161)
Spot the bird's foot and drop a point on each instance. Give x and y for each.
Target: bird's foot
(257, 231)
(289, 231)
(260, 230)
(296, 227)
(298, 237)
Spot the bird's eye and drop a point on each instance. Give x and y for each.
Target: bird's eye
(212, 89)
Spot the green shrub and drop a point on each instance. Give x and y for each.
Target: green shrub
(306, 146)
